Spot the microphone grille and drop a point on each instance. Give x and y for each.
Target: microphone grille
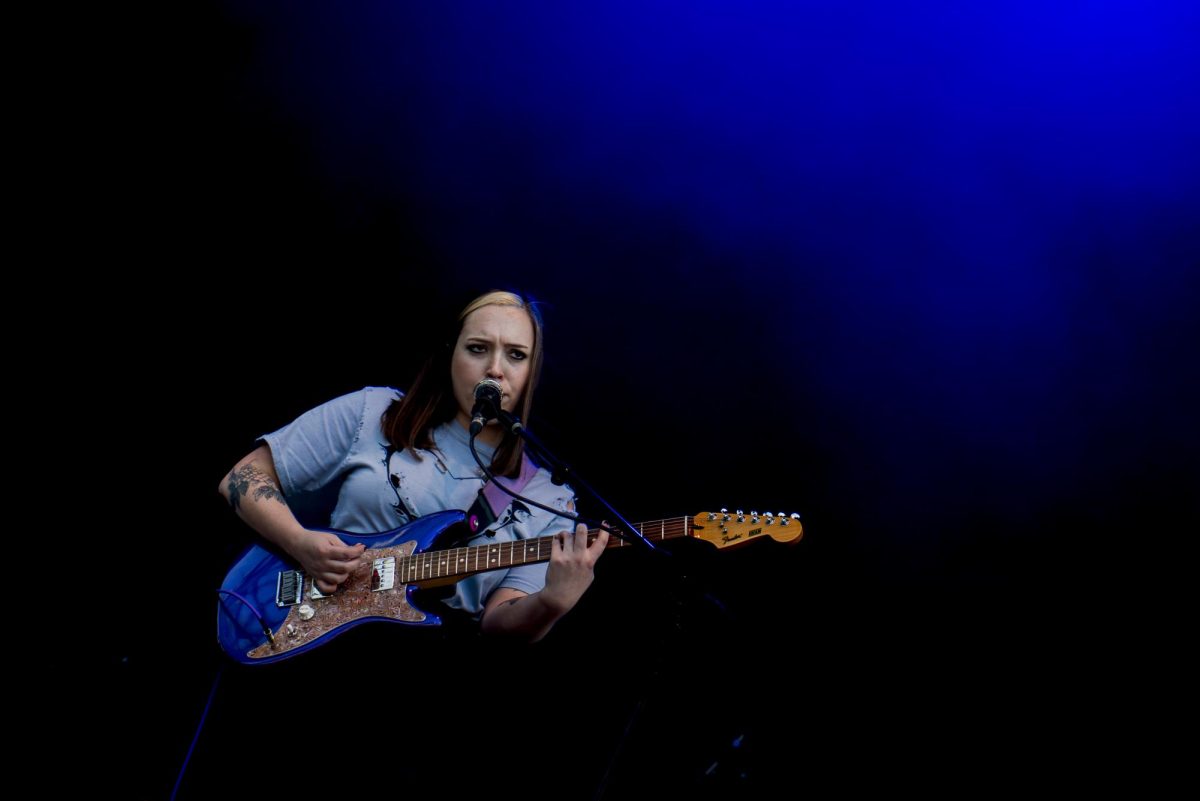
(485, 385)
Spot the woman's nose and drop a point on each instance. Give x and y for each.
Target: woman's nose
(493, 368)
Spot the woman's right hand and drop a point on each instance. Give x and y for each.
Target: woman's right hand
(253, 489)
(326, 559)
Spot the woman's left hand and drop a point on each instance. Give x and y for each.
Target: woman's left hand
(572, 562)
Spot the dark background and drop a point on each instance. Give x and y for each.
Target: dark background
(925, 275)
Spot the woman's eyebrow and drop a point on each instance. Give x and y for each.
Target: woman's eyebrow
(480, 338)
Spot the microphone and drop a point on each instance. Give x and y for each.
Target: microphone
(487, 403)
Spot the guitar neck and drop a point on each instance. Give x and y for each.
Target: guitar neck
(456, 563)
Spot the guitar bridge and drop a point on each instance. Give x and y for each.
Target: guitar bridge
(383, 574)
(289, 588)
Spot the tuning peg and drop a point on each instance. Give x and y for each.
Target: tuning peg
(795, 515)
(712, 516)
(753, 516)
(783, 521)
(724, 513)
(770, 517)
(741, 516)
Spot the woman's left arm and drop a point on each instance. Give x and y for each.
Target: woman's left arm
(531, 615)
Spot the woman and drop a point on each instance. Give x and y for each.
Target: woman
(397, 457)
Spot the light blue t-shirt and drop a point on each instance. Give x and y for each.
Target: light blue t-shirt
(382, 488)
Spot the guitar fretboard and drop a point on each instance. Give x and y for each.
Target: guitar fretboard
(452, 562)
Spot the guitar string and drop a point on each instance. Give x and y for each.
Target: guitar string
(422, 565)
(431, 564)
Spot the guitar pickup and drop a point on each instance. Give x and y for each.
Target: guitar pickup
(383, 574)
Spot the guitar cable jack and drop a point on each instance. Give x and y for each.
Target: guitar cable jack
(266, 629)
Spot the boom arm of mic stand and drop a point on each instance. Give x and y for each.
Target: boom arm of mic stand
(558, 468)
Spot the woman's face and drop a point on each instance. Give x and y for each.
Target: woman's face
(495, 342)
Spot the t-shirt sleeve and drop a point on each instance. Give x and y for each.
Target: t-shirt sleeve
(310, 451)
(532, 578)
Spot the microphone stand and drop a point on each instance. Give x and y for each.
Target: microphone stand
(560, 472)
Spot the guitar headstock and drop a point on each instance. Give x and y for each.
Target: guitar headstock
(727, 529)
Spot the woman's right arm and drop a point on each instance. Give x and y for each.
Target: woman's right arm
(252, 489)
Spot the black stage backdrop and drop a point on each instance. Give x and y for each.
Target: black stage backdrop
(953, 338)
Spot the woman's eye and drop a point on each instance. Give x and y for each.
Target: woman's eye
(517, 355)
(473, 348)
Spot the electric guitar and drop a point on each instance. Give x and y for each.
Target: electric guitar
(269, 610)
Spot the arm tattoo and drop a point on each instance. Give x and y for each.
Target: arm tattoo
(248, 478)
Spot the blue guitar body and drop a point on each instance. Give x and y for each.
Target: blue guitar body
(264, 592)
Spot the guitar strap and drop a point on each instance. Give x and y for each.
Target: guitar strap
(492, 500)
